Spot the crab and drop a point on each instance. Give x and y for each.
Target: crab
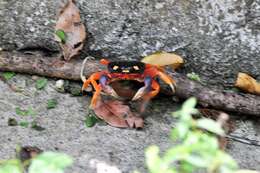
(127, 70)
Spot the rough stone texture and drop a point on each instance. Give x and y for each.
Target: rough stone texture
(216, 38)
(102, 144)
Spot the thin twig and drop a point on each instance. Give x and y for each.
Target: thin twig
(244, 140)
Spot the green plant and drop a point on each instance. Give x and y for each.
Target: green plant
(8, 75)
(194, 76)
(51, 103)
(41, 83)
(24, 123)
(62, 37)
(198, 147)
(91, 120)
(47, 162)
(25, 112)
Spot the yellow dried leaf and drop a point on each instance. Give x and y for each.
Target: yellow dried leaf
(163, 59)
(247, 83)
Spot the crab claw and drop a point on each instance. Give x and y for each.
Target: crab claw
(144, 90)
(173, 87)
(110, 91)
(140, 93)
(168, 80)
(106, 88)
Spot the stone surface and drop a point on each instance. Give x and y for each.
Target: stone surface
(101, 146)
(217, 38)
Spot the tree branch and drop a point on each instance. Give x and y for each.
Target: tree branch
(52, 67)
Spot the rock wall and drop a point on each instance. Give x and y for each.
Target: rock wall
(216, 38)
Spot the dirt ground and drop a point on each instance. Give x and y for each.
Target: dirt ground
(102, 146)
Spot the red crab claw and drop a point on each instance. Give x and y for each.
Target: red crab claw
(168, 80)
(144, 90)
(106, 88)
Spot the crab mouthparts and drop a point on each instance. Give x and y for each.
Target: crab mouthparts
(125, 71)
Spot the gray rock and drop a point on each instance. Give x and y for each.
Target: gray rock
(217, 38)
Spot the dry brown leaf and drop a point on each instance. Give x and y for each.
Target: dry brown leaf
(117, 114)
(70, 23)
(163, 59)
(135, 121)
(247, 84)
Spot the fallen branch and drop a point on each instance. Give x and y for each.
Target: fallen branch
(37, 64)
(52, 67)
(218, 99)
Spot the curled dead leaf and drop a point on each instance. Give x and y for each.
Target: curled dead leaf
(247, 84)
(117, 114)
(163, 59)
(70, 31)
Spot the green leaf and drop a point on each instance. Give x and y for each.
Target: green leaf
(30, 111)
(189, 105)
(24, 124)
(197, 161)
(52, 103)
(193, 76)
(11, 166)
(21, 112)
(153, 160)
(8, 75)
(180, 131)
(187, 109)
(61, 35)
(50, 162)
(178, 152)
(210, 125)
(90, 121)
(187, 167)
(25, 112)
(75, 91)
(41, 83)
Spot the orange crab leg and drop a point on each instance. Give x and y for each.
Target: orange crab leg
(92, 79)
(168, 80)
(95, 96)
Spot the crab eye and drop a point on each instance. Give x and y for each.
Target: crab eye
(136, 67)
(115, 67)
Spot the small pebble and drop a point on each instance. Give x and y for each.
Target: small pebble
(34, 77)
(59, 85)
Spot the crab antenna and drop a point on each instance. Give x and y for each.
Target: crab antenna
(83, 78)
(104, 62)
